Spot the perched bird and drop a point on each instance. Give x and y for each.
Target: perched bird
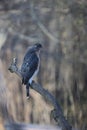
(30, 65)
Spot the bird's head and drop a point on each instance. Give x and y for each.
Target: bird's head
(37, 47)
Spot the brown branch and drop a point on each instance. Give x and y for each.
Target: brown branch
(57, 113)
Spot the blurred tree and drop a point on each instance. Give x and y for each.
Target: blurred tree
(61, 26)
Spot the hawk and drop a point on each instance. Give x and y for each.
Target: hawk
(30, 65)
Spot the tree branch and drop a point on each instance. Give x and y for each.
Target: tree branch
(57, 113)
(22, 36)
(41, 26)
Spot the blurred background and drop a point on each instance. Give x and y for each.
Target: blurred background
(61, 27)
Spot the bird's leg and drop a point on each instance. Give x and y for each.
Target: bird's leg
(28, 87)
(27, 90)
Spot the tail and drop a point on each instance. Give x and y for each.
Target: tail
(27, 91)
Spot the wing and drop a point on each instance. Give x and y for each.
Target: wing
(29, 66)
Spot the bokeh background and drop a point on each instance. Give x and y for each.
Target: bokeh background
(61, 27)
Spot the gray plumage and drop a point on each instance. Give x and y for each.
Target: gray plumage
(30, 65)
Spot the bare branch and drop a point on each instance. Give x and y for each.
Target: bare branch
(41, 26)
(22, 36)
(13, 68)
(57, 113)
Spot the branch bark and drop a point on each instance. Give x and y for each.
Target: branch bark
(57, 113)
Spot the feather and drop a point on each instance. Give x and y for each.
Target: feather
(29, 66)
